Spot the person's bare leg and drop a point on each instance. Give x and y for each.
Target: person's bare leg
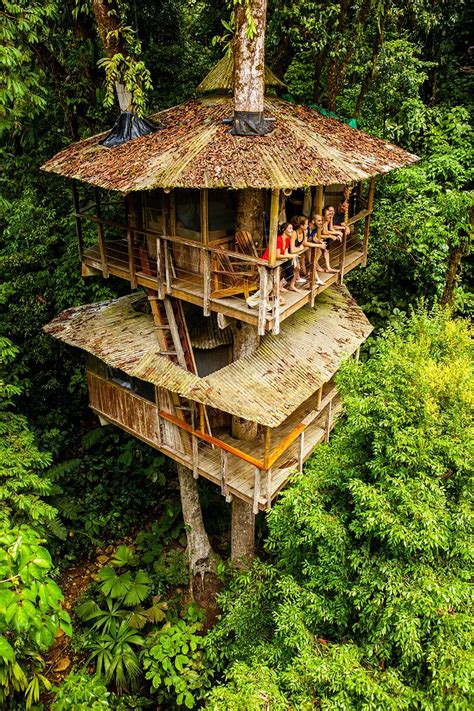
(329, 269)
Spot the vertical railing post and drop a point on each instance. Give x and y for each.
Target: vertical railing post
(131, 257)
(224, 464)
(273, 230)
(207, 282)
(319, 397)
(262, 304)
(256, 490)
(166, 250)
(100, 234)
(301, 453)
(159, 269)
(343, 258)
(276, 300)
(77, 212)
(319, 211)
(269, 489)
(370, 205)
(204, 216)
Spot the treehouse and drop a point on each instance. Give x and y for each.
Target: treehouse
(286, 387)
(238, 395)
(179, 231)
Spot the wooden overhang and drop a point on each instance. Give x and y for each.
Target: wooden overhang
(196, 150)
(264, 387)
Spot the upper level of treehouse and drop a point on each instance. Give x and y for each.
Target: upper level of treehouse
(178, 226)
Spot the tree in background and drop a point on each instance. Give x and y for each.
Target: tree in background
(366, 602)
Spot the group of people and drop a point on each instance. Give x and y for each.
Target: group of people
(302, 238)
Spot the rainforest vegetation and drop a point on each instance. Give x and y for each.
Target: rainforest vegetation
(359, 597)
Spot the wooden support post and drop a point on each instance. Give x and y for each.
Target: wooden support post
(267, 446)
(166, 250)
(273, 230)
(313, 274)
(357, 354)
(301, 453)
(342, 259)
(204, 216)
(276, 300)
(195, 448)
(269, 489)
(172, 212)
(256, 490)
(202, 426)
(328, 420)
(319, 202)
(77, 211)
(318, 398)
(158, 420)
(159, 269)
(262, 305)
(224, 465)
(131, 258)
(100, 234)
(207, 283)
(319, 211)
(370, 205)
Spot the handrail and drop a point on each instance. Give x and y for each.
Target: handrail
(175, 238)
(359, 216)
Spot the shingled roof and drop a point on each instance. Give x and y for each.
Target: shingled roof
(265, 387)
(196, 150)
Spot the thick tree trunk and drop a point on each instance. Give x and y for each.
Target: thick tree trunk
(243, 534)
(249, 70)
(202, 563)
(369, 77)
(454, 262)
(107, 17)
(250, 213)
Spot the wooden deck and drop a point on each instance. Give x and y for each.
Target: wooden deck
(188, 286)
(141, 418)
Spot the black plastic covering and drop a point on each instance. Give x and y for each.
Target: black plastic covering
(250, 123)
(128, 126)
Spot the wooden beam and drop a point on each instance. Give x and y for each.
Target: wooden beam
(77, 209)
(195, 448)
(204, 195)
(262, 304)
(201, 417)
(213, 440)
(290, 438)
(172, 212)
(273, 229)
(342, 259)
(328, 420)
(175, 334)
(131, 258)
(267, 445)
(166, 251)
(370, 205)
(318, 398)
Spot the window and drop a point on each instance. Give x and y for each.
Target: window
(221, 209)
(136, 386)
(188, 213)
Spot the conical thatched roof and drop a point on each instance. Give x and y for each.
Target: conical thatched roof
(195, 150)
(221, 78)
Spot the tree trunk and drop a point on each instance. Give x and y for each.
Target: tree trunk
(454, 262)
(202, 563)
(243, 534)
(369, 77)
(250, 213)
(249, 70)
(107, 17)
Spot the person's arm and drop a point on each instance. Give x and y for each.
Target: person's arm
(293, 248)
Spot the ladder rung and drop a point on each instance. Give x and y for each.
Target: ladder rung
(168, 353)
(163, 327)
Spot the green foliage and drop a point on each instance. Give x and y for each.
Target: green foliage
(173, 662)
(367, 602)
(30, 613)
(115, 656)
(81, 692)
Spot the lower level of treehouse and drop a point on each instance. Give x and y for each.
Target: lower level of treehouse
(253, 471)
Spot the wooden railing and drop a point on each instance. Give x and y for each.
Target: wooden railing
(218, 273)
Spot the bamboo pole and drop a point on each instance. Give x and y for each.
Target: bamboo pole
(370, 205)
(269, 489)
(207, 272)
(166, 250)
(267, 445)
(301, 453)
(159, 269)
(224, 465)
(319, 210)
